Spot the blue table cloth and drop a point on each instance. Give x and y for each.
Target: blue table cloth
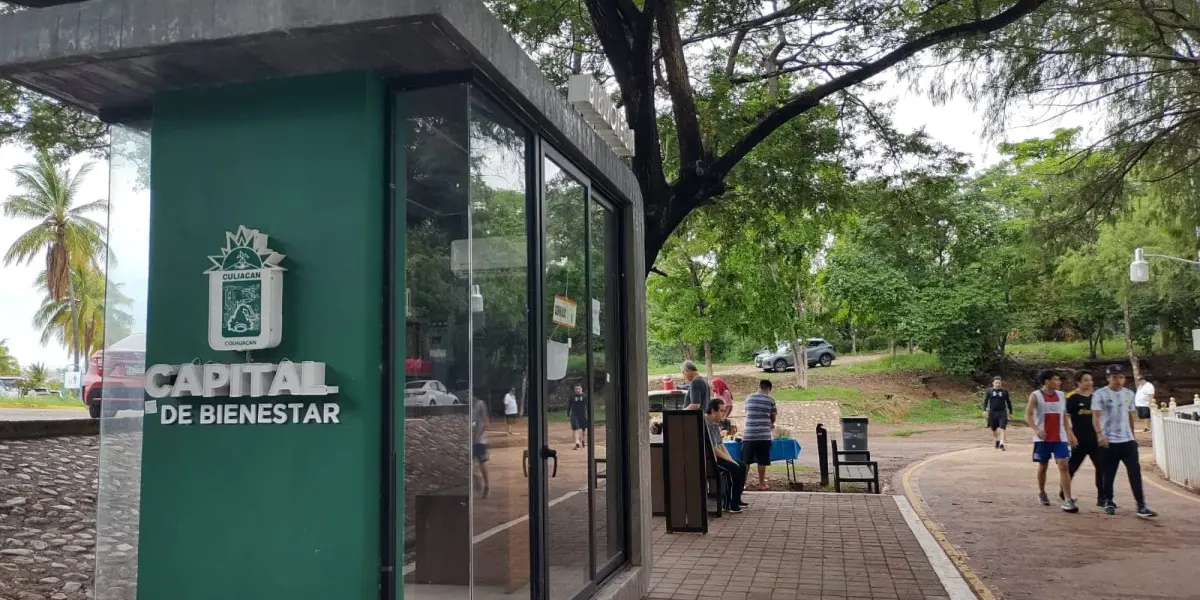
(788, 449)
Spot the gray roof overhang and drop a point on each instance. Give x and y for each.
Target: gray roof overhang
(113, 56)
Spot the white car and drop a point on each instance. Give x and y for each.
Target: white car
(428, 392)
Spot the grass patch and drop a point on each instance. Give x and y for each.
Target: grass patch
(896, 410)
(905, 432)
(819, 392)
(1064, 351)
(40, 402)
(917, 361)
(943, 411)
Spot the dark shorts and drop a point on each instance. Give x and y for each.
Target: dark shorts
(479, 452)
(579, 422)
(1042, 451)
(757, 452)
(1143, 412)
(997, 419)
(510, 418)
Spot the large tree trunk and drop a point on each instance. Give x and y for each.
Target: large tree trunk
(853, 340)
(1133, 359)
(708, 368)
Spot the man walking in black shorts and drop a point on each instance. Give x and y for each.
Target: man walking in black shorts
(1079, 408)
(999, 408)
(756, 438)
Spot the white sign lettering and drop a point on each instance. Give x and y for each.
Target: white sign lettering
(263, 413)
(600, 112)
(246, 380)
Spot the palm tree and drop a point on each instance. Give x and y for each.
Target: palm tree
(97, 309)
(64, 235)
(35, 376)
(8, 362)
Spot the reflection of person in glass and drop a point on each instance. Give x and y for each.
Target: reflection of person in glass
(511, 411)
(577, 410)
(479, 451)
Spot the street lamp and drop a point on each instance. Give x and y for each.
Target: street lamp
(1139, 269)
(1139, 272)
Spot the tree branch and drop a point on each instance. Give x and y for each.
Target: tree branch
(683, 101)
(795, 68)
(809, 99)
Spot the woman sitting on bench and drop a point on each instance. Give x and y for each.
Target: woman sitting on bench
(725, 463)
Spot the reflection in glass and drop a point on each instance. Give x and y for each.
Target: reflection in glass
(437, 430)
(114, 375)
(466, 494)
(497, 275)
(603, 269)
(568, 409)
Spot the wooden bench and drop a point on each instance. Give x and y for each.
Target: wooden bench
(855, 471)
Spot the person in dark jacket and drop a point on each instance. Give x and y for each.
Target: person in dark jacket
(999, 408)
(577, 412)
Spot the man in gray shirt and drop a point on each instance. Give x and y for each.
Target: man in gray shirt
(1113, 413)
(699, 393)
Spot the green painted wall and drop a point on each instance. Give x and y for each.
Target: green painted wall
(269, 511)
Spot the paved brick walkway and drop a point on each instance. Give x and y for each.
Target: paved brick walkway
(793, 546)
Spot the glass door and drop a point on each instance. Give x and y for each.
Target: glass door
(566, 410)
(583, 493)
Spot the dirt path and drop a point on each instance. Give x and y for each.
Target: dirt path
(985, 503)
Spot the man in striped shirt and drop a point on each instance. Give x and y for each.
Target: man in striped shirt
(756, 437)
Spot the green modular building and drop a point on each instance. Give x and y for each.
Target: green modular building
(380, 271)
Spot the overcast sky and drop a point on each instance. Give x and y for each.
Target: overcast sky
(955, 124)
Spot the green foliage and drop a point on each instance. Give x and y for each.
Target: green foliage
(8, 362)
(102, 311)
(34, 377)
(41, 123)
(960, 321)
(64, 235)
(1132, 62)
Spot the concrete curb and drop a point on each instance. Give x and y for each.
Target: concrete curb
(956, 587)
(18, 430)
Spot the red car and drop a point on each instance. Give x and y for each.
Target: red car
(114, 379)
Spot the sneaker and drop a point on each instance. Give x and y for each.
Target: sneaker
(1100, 503)
(997, 444)
(576, 445)
(734, 509)
(745, 504)
(1044, 498)
(1144, 512)
(1002, 448)
(1070, 506)
(1110, 508)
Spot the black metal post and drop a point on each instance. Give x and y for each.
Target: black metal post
(823, 453)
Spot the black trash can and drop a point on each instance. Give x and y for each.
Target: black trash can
(854, 438)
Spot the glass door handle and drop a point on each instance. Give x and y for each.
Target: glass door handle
(551, 453)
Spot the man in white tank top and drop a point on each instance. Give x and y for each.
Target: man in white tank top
(1046, 415)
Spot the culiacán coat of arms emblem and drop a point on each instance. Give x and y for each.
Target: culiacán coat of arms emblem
(245, 293)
